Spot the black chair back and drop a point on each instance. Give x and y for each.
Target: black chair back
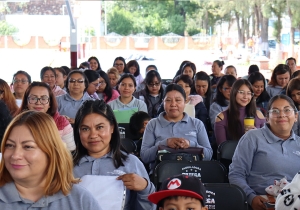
(129, 145)
(225, 152)
(223, 196)
(206, 171)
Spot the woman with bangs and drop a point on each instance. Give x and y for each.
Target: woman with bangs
(48, 75)
(68, 104)
(134, 69)
(221, 101)
(202, 88)
(279, 79)
(36, 169)
(189, 69)
(8, 98)
(120, 65)
(293, 91)
(39, 97)
(230, 123)
(261, 96)
(94, 63)
(126, 87)
(105, 91)
(152, 95)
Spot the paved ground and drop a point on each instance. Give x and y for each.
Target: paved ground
(167, 62)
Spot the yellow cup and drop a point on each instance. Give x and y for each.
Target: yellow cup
(248, 121)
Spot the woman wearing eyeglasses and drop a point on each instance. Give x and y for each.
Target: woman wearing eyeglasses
(267, 154)
(105, 91)
(21, 81)
(76, 85)
(120, 64)
(221, 100)
(152, 95)
(230, 123)
(93, 78)
(39, 97)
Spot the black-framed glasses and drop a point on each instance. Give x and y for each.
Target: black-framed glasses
(43, 99)
(119, 64)
(157, 84)
(76, 80)
(22, 81)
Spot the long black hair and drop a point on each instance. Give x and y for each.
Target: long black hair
(233, 113)
(202, 75)
(220, 99)
(108, 89)
(257, 76)
(101, 108)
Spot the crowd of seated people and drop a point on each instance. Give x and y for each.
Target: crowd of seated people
(75, 118)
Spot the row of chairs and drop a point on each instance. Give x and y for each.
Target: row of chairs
(220, 194)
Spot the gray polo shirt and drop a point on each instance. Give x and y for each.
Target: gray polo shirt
(69, 106)
(273, 90)
(117, 104)
(214, 110)
(135, 200)
(158, 130)
(78, 199)
(260, 158)
(296, 126)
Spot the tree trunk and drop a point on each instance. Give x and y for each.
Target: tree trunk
(238, 26)
(242, 41)
(292, 34)
(253, 24)
(264, 36)
(257, 12)
(248, 28)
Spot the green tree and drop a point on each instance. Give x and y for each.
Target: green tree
(7, 29)
(120, 21)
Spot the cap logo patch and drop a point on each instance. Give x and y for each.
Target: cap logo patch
(174, 184)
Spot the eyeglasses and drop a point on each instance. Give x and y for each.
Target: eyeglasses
(154, 84)
(226, 89)
(102, 83)
(118, 64)
(96, 85)
(76, 80)
(20, 81)
(244, 93)
(33, 99)
(276, 112)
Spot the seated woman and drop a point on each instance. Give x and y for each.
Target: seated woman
(267, 154)
(230, 70)
(113, 76)
(21, 81)
(134, 69)
(126, 87)
(105, 91)
(293, 91)
(98, 152)
(221, 101)
(76, 85)
(39, 97)
(261, 96)
(93, 78)
(94, 63)
(36, 168)
(8, 98)
(279, 79)
(202, 87)
(194, 106)
(48, 75)
(61, 77)
(120, 65)
(230, 123)
(174, 128)
(189, 69)
(152, 95)
(5, 119)
(216, 75)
